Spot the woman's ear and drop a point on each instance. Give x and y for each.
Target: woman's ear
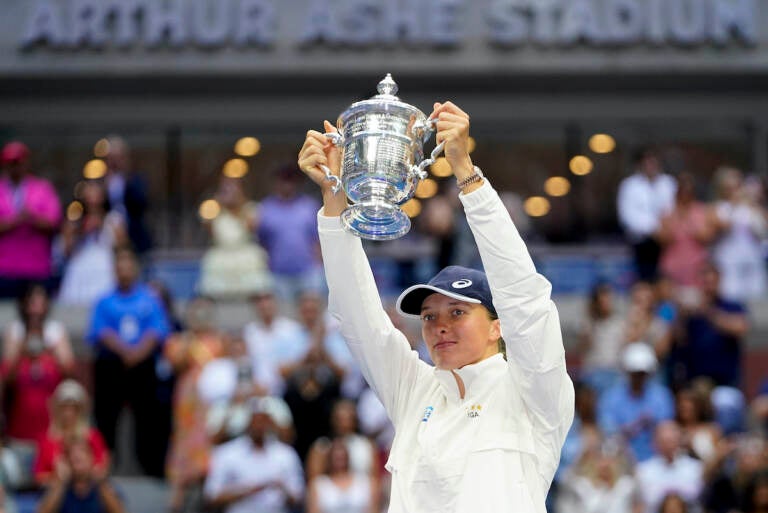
(495, 333)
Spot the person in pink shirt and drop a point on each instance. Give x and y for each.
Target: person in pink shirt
(30, 215)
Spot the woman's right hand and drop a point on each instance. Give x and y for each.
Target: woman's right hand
(319, 151)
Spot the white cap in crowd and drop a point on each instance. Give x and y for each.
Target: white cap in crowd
(639, 357)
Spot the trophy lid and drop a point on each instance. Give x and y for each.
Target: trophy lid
(387, 88)
(385, 101)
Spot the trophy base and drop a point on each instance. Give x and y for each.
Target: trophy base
(375, 220)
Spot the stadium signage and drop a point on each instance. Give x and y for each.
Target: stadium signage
(75, 24)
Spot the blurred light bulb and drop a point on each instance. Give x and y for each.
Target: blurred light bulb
(94, 169)
(580, 165)
(426, 188)
(235, 168)
(101, 148)
(247, 146)
(209, 209)
(536, 206)
(74, 211)
(557, 186)
(412, 207)
(441, 168)
(602, 143)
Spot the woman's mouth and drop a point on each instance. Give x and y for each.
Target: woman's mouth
(444, 344)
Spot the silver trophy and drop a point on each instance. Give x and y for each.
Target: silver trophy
(382, 161)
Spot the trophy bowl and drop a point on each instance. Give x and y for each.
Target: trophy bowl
(382, 161)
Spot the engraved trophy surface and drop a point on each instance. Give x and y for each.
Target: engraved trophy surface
(382, 161)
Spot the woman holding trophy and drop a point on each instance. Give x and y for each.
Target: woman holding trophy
(481, 431)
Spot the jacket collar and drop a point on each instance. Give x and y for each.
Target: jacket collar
(477, 377)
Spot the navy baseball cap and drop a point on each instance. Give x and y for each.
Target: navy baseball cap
(454, 281)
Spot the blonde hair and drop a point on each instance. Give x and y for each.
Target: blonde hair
(70, 390)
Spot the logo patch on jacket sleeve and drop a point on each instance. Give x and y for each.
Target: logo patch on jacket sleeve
(427, 412)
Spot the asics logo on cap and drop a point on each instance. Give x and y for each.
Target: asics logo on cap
(461, 284)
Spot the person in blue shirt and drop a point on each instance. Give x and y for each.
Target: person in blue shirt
(127, 329)
(632, 409)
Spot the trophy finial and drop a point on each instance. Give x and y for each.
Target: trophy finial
(387, 86)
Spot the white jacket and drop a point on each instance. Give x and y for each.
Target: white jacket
(497, 449)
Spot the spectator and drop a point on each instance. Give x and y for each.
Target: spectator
(643, 323)
(644, 197)
(188, 352)
(319, 329)
(361, 453)
(88, 244)
(601, 481)
(728, 476)
(272, 340)
(234, 266)
(340, 488)
(288, 231)
(685, 234)
(312, 386)
(700, 436)
(670, 470)
(255, 472)
(601, 340)
(36, 356)
(127, 193)
(227, 385)
(30, 215)
(713, 330)
(632, 409)
(742, 226)
(128, 327)
(79, 486)
(70, 420)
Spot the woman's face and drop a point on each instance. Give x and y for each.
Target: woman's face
(69, 413)
(457, 333)
(37, 304)
(605, 302)
(686, 408)
(338, 457)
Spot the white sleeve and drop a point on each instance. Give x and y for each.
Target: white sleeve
(293, 474)
(633, 214)
(386, 360)
(529, 320)
(216, 480)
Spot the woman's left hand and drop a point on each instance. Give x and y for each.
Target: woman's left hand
(453, 129)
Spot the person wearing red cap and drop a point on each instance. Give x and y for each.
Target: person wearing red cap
(30, 215)
(483, 429)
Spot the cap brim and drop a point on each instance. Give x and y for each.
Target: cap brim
(409, 302)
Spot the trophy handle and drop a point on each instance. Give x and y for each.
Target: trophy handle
(331, 178)
(337, 139)
(420, 172)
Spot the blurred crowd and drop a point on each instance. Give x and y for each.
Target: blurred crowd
(275, 416)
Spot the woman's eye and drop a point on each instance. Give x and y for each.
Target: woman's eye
(458, 312)
(427, 317)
